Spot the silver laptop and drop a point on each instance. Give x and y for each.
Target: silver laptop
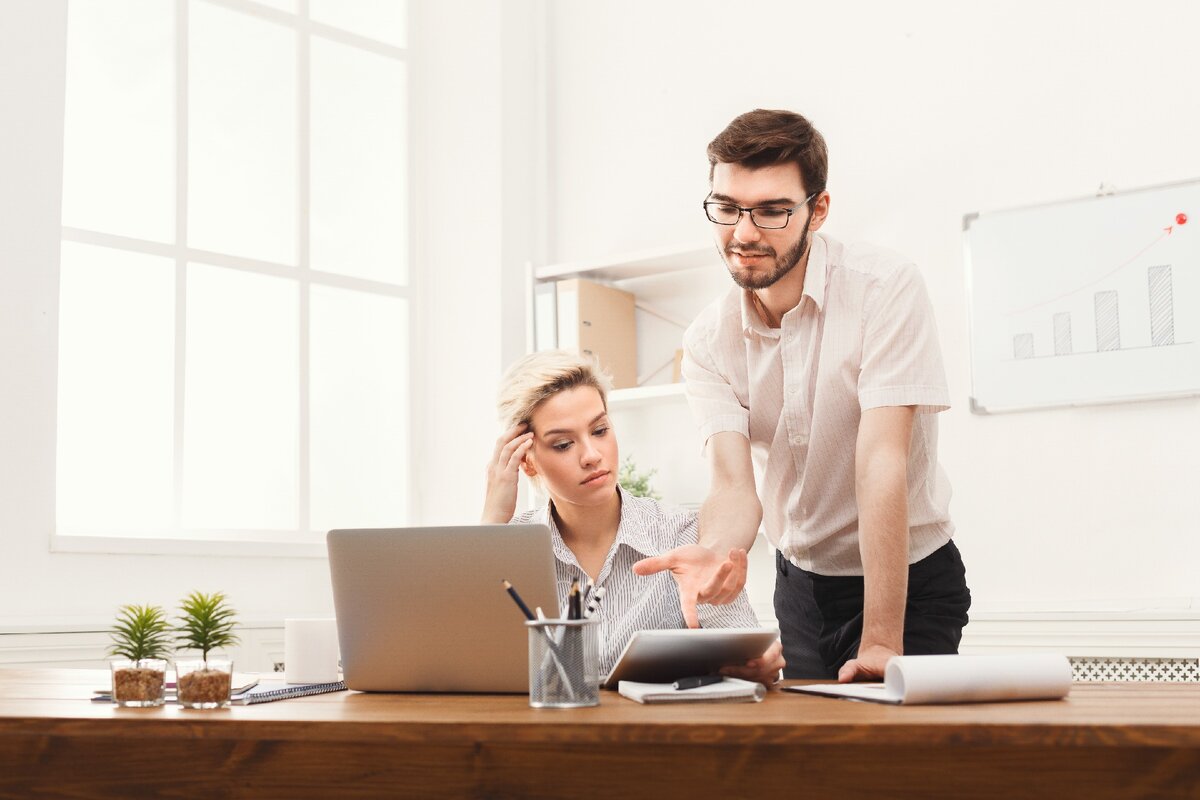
(424, 609)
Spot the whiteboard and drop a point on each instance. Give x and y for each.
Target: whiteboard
(1094, 300)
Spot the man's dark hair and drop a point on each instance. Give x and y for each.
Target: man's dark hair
(762, 138)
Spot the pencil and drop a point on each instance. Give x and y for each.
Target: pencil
(517, 599)
(574, 611)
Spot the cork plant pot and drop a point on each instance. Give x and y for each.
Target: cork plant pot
(139, 684)
(204, 684)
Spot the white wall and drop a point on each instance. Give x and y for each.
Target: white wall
(931, 110)
(474, 66)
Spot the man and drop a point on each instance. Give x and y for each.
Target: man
(822, 365)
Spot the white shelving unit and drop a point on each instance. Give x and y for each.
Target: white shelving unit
(640, 264)
(661, 279)
(643, 395)
(671, 285)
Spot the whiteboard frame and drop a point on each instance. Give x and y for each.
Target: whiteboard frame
(968, 219)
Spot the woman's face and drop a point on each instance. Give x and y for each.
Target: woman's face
(574, 447)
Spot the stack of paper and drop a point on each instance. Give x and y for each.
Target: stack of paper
(912, 680)
(729, 690)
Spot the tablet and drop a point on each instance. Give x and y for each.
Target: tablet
(668, 655)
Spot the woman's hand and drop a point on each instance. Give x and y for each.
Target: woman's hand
(764, 669)
(501, 501)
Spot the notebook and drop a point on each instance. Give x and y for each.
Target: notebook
(424, 609)
(730, 690)
(268, 691)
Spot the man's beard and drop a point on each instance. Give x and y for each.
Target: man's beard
(750, 280)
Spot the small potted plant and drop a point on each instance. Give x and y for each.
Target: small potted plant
(206, 623)
(142, 637)
(635, 482)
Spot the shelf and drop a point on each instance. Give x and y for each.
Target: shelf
(641, 395)
(657, 261)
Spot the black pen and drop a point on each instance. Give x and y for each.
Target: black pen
(517, 599)
(698, 681)
(574, 610)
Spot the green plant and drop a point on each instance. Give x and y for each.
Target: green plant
(636, 483)
(206, 623)
(140, 632)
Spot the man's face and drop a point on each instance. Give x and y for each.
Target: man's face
(758, 257)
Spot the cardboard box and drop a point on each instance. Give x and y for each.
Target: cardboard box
(598, 319)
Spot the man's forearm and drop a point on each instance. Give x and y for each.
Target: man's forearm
(730, 518)
(883, 541)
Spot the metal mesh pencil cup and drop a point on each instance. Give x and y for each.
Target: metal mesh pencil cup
(564, 663)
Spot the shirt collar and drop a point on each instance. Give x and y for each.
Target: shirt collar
(631, 530)
(814, 287)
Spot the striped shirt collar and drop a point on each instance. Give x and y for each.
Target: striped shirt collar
(633, 531)
(814, 287)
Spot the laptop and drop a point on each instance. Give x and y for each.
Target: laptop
(424, 609)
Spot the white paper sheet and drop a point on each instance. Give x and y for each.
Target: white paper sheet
(915, 680)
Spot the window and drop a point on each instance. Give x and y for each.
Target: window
(234, 321)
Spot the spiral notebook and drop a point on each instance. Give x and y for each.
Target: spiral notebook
(268, 691)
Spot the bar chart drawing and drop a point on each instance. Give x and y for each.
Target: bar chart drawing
(1062, 334)
(1162, 310)
(1106, 307)
(1086, 301)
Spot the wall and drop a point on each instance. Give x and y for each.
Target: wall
(471, 111)
(931, 110)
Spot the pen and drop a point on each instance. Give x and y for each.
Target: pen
(698, 681)
(574, 611)
(587, 592)
(517, 599)
(594, 603)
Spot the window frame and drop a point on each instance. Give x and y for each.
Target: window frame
(303, 541)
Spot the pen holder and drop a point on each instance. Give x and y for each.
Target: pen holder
(564, 663)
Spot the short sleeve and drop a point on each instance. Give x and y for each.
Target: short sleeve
(901, 358)
(710, 395)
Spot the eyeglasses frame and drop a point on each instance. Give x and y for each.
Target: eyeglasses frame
(750, 210)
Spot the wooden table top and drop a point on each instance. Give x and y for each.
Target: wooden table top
(57, 701)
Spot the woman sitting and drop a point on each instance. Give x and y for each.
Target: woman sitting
(554, 407)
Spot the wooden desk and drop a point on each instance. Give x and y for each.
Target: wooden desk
(1105, 741)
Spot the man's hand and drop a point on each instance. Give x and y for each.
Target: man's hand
(502, 474)
(701, 575)
(764, 669)
(869, 665)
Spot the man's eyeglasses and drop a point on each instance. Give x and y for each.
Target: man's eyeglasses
(767, 217)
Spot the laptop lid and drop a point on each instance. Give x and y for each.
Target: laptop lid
(423, 609)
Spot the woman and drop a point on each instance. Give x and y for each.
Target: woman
(553, 404)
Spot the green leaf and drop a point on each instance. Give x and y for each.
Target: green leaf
(636, 483)
(140, 632)
(206, 623)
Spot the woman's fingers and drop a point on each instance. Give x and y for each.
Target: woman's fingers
(518, 453)
(505, 454)
(507, 438)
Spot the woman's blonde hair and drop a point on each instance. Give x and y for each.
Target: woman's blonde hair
(537, 377)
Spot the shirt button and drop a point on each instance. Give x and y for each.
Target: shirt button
(793, 389)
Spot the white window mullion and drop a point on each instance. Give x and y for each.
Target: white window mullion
(180, 247)
(303, 82)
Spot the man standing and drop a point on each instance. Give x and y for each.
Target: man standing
(822, 365)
